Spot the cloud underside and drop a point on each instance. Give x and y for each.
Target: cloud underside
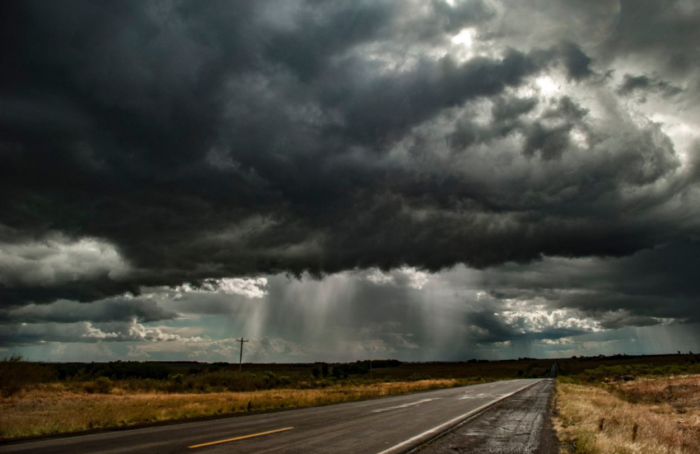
(193, 147)
(549, 305)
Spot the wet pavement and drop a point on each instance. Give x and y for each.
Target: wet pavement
(520, 424)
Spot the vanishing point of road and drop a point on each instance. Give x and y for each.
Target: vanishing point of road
(381, 426)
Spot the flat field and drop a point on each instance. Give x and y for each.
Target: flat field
(52, 409)
(622, 409)
(51, 398)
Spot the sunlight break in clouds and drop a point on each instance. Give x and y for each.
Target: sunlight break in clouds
(405, 276)
(248, 287)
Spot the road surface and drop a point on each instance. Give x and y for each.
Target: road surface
(518, 425)
(387, 426)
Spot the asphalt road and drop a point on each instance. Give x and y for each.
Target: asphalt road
(518, 425)
(387, 426)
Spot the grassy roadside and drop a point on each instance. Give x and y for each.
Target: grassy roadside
(51, 409)
(643, 415)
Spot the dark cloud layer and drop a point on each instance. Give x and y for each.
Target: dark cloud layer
(630, 291)
(157, 143)
(645, 84)
(116, 310)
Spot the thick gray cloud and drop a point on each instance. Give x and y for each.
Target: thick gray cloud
(179, 145)
(109, 310)
(658, 34)
(645, 84)
(634, 289)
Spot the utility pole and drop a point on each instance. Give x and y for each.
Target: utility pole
(240, 360)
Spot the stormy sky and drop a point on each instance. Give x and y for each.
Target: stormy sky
(338, 180)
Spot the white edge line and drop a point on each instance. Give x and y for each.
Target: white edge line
(428, 434)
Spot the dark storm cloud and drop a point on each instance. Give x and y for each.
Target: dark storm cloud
(659, 33)
(547, 136)
(195, 140)
(632, 291)
(387, 108)
(578, 63)
(110, 310)
(645, 84)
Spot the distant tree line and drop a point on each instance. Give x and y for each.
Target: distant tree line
(323, 370)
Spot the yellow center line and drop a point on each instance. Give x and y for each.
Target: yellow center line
(244, 437)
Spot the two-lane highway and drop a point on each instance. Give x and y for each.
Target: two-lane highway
(389, 425)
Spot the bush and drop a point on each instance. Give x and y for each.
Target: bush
(357, 368)
(340, 371)
(320, 370)
(102, 385)
(17, 374)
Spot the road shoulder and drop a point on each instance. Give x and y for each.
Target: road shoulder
(520, 424)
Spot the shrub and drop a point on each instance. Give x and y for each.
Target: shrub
(320, 370)
(357, 368)
(341, 371)
(271, 379)
(102, 385)
(16, 374)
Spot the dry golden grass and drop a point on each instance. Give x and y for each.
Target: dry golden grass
(642, 416)
(52, 409)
